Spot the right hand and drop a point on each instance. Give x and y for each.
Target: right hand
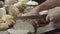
(54, 15)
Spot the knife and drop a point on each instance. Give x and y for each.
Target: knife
(31, 17)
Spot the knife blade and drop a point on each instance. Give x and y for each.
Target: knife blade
(30, 17)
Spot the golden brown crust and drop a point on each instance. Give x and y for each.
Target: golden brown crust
(6, 22)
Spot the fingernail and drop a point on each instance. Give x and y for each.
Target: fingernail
(51, 19)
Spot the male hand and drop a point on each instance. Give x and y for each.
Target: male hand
(54, 15)
(31, 13)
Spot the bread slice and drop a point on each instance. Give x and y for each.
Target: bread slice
(13, 31)
(26, 25)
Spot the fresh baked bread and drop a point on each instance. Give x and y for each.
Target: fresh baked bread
(20, 6)
(14, 11)
(10, 2)
(6, 22)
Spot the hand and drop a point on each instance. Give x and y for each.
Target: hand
(31, 13)
(54, 15)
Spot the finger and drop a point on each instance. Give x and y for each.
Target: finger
(47, 18)
(26, 14)
(53, 19)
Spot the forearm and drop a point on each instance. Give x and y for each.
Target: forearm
(47, 5)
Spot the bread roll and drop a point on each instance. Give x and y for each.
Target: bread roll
(14, 11)
(10, 2)
(20, 6)
(10, 22)
(4, 26)
(6, 22)
(8, 19)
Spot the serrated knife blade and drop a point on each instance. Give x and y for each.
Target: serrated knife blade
(31, 17)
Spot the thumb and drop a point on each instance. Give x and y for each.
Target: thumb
(47, 19)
